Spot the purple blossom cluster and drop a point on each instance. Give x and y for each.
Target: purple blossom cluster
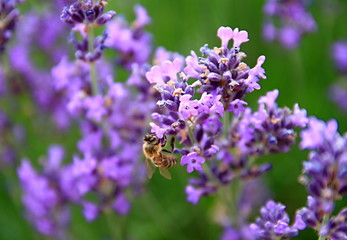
(338, 90)
(274, 223)
(130, 41)
(110, 116)
(84, 16)
(9, 16)
(202, 106)
(11, 134)
(43, 194)
(286, 21)
(324, 175)
(29, 77)
(192, 113)
(107, 172)
(339, 54)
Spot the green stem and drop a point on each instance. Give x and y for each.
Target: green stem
(190, 133)
(299, 73)
(208, 172)
(226, 124)
(236, 189)
(114, 227)
(93, 77)
(324, 222)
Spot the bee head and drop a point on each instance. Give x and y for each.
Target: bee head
(150, 138)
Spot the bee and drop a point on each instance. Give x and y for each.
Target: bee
(153, 148)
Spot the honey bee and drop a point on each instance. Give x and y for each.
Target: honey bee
(153, 148)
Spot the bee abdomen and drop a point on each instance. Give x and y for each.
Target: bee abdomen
(167, 163)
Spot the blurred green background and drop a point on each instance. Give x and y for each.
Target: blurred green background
(302, 75)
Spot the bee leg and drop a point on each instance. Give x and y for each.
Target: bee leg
(165, 150)
(172, 143)
(164, 141)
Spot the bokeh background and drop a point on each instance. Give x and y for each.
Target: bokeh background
(302, 75)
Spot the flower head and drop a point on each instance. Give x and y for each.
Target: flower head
(193, 162)
(274, 223)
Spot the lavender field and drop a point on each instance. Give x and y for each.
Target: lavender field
(151, 120)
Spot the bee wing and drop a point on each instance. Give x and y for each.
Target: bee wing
(150, 168)
(165, 173)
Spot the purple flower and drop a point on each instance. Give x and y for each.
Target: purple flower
(157, 130)
(237, 106)
(155, 75)
(239, 37)
(257, 70)
(244, 233)
(225, 34)
(193, 162)
(188, 107)
(324, 175)
(291, 17)
(132, 43)
(339, 54)
(61, 74)
(270, 99)
(270, 129)
(54, 158)
(121, 204)
(193, 194)
(269, 32)
(299, 116)
(274, 223)
(142, 18)
(44, 200)
(86, 11)
(289, 37)
(9, 18)
(90, 211)
(317, 132)
(95, 108)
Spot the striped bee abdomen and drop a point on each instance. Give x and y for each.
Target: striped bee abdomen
(165, 161)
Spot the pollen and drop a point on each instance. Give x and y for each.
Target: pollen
(178, 92)
(224, 60)
(242, 67)
(218, 51)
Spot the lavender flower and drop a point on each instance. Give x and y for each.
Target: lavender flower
(11, 134)
(338, 90)
(194, 99)
(37, 79)
(193, 162)
(335, 229)
(324, 177)
(87, 11)
(293, 18)
(131, 42)
(268, 130)
(339, 54)
(192, 112)
(112, 126)
(338, 93)
(111, 117)
(43, 198)
(84, 16)
(222, 71)
(253, 194)
(274, 223)
(9, 16)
